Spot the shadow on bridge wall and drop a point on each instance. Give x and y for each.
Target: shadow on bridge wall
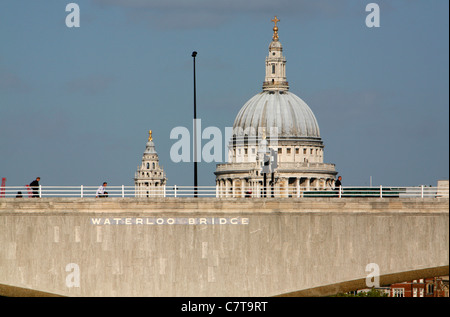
(385, 280)
(14, 291)
(327, 290)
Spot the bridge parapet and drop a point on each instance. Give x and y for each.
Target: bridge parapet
(215, 247)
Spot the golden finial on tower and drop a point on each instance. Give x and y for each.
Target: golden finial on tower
(275, 28)
(150, 135)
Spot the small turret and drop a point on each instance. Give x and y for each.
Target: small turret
(150, 178)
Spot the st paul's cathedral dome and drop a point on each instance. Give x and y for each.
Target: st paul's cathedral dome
(279, 120)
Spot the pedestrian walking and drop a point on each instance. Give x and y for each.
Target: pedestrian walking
(35, 187)
(338, 183)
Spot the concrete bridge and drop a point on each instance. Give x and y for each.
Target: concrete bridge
(217, 247)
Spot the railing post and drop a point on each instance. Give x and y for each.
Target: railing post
(221, 192)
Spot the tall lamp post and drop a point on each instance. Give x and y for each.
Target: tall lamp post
(195, 132)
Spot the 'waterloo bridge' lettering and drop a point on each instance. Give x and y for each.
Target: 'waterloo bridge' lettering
(170, 221)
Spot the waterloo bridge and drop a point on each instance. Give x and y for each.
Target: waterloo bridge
(208, 246)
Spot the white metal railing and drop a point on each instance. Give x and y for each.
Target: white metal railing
(219, 192)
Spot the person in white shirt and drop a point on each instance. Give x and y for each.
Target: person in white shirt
(101, 191)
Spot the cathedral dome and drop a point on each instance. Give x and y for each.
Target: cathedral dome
(276, 135)
(277, 109)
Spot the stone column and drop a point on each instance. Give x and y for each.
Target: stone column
(286, 188)
(220, 188)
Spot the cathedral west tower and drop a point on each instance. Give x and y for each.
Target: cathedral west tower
(150, 178)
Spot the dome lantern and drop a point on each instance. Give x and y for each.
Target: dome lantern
(275, 79)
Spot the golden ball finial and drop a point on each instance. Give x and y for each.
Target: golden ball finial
(275, 28)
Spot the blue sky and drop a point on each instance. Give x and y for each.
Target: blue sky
(76, 103)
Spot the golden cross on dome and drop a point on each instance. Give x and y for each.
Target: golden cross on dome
(150, 135)
(275, 20)
(275, 28)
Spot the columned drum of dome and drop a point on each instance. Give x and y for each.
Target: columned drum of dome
(289, 127)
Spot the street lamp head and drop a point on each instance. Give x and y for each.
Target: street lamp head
(194, 53)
